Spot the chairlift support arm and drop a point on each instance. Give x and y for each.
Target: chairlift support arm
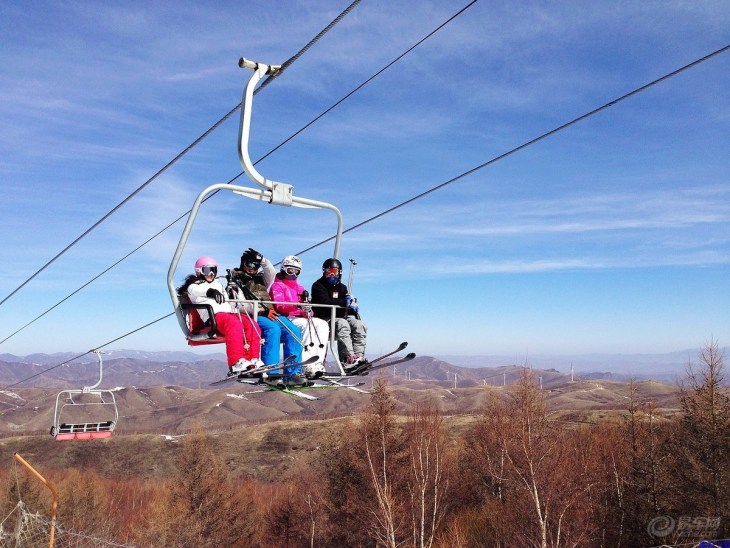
(269, 191)
(87, 389)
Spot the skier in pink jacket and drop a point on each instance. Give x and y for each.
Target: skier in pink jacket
(292, 301)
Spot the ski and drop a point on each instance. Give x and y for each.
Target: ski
(285, 363)
(335, 383)
(369, 367)
(290, 391)
(369, 363)
(401, 346)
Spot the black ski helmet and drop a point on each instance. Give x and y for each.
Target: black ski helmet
(332, 263)
(251, 257)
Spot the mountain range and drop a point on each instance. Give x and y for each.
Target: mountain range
(170, 398)
(149, 368)
(160, 396)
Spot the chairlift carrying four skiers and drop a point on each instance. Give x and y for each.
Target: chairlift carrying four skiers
(305, 324)
(258, 311)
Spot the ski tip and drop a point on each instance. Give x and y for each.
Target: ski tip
(411, 355)
(403, 345)
(221, 381)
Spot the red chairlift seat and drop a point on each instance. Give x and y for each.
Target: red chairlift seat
(198, 332)
(84, 431)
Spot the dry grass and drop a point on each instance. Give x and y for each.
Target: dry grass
(265, 434)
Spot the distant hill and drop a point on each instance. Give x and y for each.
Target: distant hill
(131, 368)
(662, 367)
(189, 368)
(116, 372)
(171, 397)
(161, 396)
(164, 356)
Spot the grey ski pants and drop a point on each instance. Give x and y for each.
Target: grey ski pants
(350, 334)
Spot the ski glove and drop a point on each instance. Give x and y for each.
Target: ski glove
(270, 313)
(216, 295)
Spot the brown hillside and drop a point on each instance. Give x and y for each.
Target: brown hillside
(263, 434)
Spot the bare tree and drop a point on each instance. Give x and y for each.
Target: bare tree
(346, 494)
(541, 474)
(203, 506)
(382, 452)
(701, 456)
(428, 482)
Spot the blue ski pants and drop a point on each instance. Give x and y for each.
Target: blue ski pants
(276, 332)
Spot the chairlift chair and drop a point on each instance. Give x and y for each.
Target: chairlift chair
(271, 192)
(73, 404)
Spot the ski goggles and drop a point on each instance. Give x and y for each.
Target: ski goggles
(291, 271)
(207, 270)
(251, 265)
(332, 272)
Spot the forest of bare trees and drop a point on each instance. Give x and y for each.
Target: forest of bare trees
(515, 477)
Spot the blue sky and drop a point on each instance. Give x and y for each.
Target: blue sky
(609, 236)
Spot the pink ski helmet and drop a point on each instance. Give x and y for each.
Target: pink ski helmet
(206, 265)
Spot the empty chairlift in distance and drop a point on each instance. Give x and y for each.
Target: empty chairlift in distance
(86, 413)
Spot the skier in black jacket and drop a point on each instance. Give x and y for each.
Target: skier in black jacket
(350, 331)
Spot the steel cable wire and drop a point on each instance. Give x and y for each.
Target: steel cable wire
(452, 180)
(277, 147)
(180, 155)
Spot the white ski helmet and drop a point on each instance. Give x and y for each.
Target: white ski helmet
(291, 261)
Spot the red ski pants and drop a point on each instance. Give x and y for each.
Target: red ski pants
(243, 337)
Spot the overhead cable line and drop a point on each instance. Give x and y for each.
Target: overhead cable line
(90, 351)
(181, 154)
(450, 181)
(277, 147)
(107, 269)
(368, 80)
(89, 282)
(527, 144)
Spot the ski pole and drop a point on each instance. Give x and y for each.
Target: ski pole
(310, 323)
(352, 274)
(247, 292)
(296, 337)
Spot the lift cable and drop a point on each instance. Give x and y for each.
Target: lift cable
(89, 351)
(526, 144)
(454, 179)
(367, 81)
(296, 133)
(180, 155)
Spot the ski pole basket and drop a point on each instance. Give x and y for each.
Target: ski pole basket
(88, 413)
